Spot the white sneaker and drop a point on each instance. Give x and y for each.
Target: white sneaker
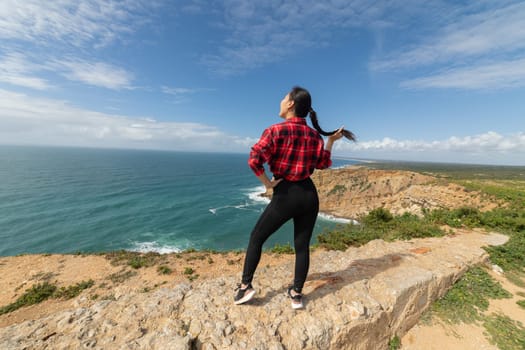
(243, 295)
(297, 299)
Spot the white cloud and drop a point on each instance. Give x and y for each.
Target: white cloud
(177, 90)
(77, 23)
(94, 73)
(22, 70)
(509, 74)
(493, 32)
(15, 69)
(479, 48)
(490, 147)
(48, 31)
(263, 32)
(30, 120)
(181, 94)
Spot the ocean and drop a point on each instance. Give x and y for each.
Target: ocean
(68, 200)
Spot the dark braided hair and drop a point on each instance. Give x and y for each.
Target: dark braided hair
(303, 106)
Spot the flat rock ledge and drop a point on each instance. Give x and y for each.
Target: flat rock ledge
(357, 299)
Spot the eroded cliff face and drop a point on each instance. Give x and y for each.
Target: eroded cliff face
(354, 191)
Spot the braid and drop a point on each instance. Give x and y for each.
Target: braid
(346, 133)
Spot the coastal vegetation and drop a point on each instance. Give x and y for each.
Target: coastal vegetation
(43, 291)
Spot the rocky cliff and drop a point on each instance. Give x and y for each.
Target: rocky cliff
(357, 299)
(353, 191)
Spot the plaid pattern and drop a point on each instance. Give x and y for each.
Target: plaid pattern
(292, 149)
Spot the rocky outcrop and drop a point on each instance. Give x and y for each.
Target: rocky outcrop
(353, 191)
(357, 299)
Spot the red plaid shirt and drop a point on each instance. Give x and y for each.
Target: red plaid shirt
(292, 149)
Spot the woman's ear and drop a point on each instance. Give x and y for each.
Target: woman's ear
(290, 104)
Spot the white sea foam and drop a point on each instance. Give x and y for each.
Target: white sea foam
(338, 219)
(146, 247)
(255, 194)
(341, 166)
(244, 206)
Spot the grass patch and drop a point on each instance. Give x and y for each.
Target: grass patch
(34, 295)
(504, 332)
(469, 297)
(193, 256)
(43, 276)
(193, 277)
(282, 249)
(121, 276)
(516, 277)
(134, 259)
(521, 303)
(74, 290)
(43, 291)
(394, 343)
(164, 270)
(511, 255)
(338, 189)
(190, 274)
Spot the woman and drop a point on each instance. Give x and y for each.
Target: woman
(292, 150)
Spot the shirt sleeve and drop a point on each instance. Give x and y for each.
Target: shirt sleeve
(325, 160)
(261, 152)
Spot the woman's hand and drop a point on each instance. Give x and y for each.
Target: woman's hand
(274, 182)
(332, 138)
(338, 134)
(269, 184)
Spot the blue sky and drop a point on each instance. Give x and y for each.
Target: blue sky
(431, 81)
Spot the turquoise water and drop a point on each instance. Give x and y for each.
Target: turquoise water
(65, 200)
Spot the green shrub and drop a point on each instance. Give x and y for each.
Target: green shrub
(394, 343)
(378, 224)
(511, 255)
(72, 291)
(164, 270)
(134, 259)
(121, 276)
(33, 295)
(282, 249)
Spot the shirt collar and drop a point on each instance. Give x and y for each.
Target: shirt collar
(296, 120)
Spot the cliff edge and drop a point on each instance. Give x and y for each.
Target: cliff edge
(357, 299)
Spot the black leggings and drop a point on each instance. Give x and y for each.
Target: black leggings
(291, 200)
